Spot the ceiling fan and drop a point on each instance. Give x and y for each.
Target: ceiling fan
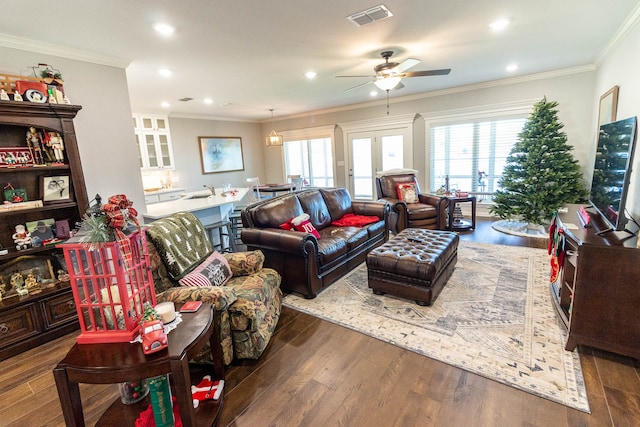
(388, 74)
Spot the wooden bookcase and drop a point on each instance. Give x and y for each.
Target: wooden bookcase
(30, 320)
(598, 294)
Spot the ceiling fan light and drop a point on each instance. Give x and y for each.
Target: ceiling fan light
(274, 140)
(387, 83)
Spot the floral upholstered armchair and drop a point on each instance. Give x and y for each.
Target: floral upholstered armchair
(249, 302)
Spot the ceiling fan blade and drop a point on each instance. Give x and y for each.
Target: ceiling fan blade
(442, 72)
(369, 77)
(407, 63)
(357, 86)
(398, 86)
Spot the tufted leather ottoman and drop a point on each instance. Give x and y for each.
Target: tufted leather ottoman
(415, 264)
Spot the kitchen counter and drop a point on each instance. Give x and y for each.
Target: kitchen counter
(162, 195)
(209, 209)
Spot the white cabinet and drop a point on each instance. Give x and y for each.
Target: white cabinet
(154, 142)
(163, 195)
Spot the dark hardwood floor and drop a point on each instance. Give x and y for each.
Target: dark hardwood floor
(315, 373)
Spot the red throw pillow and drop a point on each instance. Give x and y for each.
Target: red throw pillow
(214, 271)
(408, 192)
(286, 225)
(301, 223)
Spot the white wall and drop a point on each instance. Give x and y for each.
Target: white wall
(186, 149)
(103, 127)
(622, 67)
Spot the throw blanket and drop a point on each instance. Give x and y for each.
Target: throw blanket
(352, 220)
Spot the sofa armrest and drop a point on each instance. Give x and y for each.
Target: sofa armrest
(220, 296)
(377, 208)
(284, 241)
(431, 199)
(244, 263)
(440, 203)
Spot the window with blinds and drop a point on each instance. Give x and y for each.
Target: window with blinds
(312, 159)
(473, 154)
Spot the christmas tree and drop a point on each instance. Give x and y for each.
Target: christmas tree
(541, 174)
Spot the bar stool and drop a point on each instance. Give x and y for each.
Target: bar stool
(223, 229)
(236, 225)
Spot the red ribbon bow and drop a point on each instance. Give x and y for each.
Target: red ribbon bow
(119, 211)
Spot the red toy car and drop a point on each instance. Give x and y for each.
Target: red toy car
(153, 336)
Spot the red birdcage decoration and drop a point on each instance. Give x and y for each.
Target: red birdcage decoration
(110, 290)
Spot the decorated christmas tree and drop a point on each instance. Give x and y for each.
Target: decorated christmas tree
(541, 174)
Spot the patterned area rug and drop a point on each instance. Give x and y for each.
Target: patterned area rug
(494, 318)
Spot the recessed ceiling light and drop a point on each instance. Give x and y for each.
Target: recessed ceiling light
(208, 101)
(164, 72)
(164, 29)
(373, 93)
(165, 104)
(499, 24)
(310, 74)
(512, 67)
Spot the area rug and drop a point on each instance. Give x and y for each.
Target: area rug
(494, 318)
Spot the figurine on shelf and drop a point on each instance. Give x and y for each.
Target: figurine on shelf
(22, 238)
(17, 96)
(4, 96)
(35, 145)
(17, 281)
(55, 143)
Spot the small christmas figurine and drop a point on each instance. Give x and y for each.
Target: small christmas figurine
(17, 281)
(4, 96)
(22, 238)
(17, 96)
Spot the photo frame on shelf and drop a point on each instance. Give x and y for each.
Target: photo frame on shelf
(55, 189)
(221, 154)
(42, 229)
(608, 107)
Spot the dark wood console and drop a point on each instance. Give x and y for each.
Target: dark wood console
(598, 293)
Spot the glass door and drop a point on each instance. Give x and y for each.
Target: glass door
(372, 152)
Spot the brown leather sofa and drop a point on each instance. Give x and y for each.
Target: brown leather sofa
(308, 264)
(429, 213)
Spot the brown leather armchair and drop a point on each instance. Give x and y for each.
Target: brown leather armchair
(430, 212)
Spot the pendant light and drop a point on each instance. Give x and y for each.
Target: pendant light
(273, 140)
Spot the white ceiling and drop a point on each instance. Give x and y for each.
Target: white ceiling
(250, 56)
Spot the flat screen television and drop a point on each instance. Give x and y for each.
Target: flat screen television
(612, 169)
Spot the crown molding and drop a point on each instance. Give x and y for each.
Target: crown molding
(623, 31)
(61, 51)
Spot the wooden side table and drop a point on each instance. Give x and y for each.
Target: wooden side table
(121, 362)
(461, 224)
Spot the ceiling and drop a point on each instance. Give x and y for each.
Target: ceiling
(251, 56)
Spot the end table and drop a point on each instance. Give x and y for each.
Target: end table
(120, 362)
(461, 224)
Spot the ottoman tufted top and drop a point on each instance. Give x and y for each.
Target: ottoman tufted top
(415, 253)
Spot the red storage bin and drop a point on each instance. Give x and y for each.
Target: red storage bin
(109, 295)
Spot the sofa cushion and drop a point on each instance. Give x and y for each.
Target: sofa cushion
(338, 202)
(213, 271)
(354, 236)
(181, 241)
(330, 247)
(313, 203)
(272, 213)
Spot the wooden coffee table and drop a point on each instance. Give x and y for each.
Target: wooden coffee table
(121, 362)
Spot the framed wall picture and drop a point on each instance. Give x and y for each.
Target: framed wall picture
(55, 189)
(608, 108)
(221, 154)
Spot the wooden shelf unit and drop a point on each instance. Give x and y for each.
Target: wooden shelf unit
(597, 295)
(31, 320)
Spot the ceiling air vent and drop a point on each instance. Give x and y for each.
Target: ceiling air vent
(370, 15)
(185, 99)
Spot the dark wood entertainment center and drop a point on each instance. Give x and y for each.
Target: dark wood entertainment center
(598, 293)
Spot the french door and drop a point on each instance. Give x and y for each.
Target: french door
(375, 151)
